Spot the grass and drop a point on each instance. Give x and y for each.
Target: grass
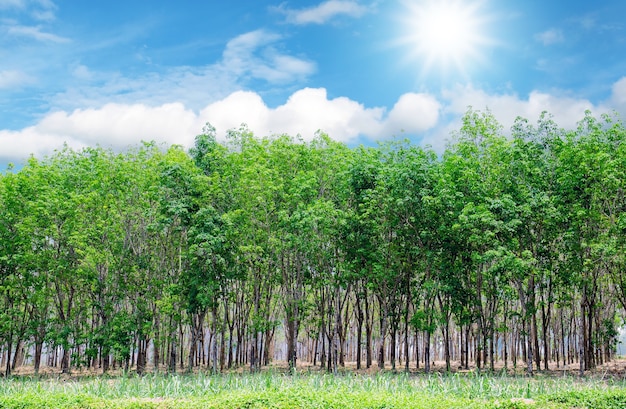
(277, 390)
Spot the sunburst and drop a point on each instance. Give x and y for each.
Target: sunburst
(445, 34)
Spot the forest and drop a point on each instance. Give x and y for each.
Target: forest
(506, 250)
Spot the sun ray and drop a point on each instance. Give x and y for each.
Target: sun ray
(445, 35)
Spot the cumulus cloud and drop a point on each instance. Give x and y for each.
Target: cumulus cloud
(113, 125)
(309, 110)
(549, 37)
(618, 98)
(412, 114)
(324, 12)
(423, 117)
(18, 145)
(566, 110)
(304, 113)
(120, 125)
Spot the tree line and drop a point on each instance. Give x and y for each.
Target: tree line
(503, 249)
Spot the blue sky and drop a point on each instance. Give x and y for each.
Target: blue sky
(117, 72)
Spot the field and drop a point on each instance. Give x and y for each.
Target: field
(275, 389)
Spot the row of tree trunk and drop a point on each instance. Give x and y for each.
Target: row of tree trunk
(350, 331)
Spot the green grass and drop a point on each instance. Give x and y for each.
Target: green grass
(276, 390)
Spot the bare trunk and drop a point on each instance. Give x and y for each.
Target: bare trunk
(359, 331)
(383, 335)
(18, 356)
(368, 335)
(535, 334)
(173, 338)
(65, 361)
(7, 370)
(529, 350)
(214, 343)
(446, 340)
(427, 352)
(38, 351)
(406, 339)
(292, 335)
(141, 355)
(546, 346)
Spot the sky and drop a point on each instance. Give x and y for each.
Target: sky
(116, 73)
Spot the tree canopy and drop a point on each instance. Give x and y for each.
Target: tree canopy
(505, 248)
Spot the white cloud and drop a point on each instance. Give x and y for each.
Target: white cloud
(618, 98)
(42, 10)
(82, 72)
(193, 87)
(550, 37)
(47, 4)
(323, 12)
(412, 114)
(7, 4)
(305, 112)
(36, 33)
(46, 12)
(252, 54)
(113, 125)
(18, 145)
(309, 110)
(566, 110)
(44, 15)
(120, 125)
(13, 79)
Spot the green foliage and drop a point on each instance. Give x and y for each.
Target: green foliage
(312, 391)
(590, 399)
(103, 253)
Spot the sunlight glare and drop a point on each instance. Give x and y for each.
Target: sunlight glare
(444, 33)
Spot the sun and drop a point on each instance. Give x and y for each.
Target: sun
(445, 34)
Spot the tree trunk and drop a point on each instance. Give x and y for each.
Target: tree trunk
(291, 342)
(392, 345)
(38, 351)
(359, 331)
(492, 342)
(65, 361)
(173, 337)
(368, 333)
(581, 346)
(142, 351)
(156, 344)
(18, 356)
(529, 350)
(535, 334)
(406, 339)
(214, 358)
(383, 335)
(427, 352)
(7, 370)
(546, 347)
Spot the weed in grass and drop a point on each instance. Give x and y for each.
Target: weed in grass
(314, 391)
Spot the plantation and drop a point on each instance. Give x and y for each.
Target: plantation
(505, 252)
